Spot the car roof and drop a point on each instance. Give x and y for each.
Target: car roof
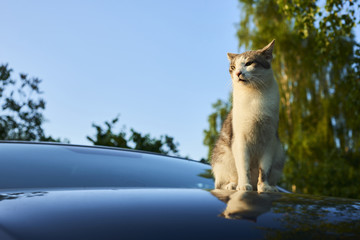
(25, 165)
(96, 147)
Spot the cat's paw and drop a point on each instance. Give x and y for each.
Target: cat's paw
(246, 187)
(230, 186)
(264, 187)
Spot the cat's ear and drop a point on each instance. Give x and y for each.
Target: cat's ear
(268, 50)
(231, 56)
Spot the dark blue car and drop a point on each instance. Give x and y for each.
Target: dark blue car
(57, 191)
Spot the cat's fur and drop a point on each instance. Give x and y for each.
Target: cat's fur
(248, 154)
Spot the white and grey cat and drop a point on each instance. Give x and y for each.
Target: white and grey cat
(248, 154)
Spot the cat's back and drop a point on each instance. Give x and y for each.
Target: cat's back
(225, 137)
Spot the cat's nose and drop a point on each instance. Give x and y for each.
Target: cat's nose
(239, 73)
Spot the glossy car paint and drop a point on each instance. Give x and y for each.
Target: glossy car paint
(175, 214)
(31, 165)
(164, 212)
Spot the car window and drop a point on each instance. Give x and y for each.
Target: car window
(62, 166)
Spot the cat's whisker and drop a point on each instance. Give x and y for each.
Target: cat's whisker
(259, 82)
(230, 84)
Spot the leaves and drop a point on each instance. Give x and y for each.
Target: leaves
(317, 66)
(138, 141)
(216, 120)
(22, 107)
(22, 119)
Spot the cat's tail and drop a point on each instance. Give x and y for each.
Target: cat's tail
(278, 165)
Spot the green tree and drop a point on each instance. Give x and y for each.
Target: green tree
(21, 108)
(215, 120)
(317, 66)
(138, 141)
(106, 137)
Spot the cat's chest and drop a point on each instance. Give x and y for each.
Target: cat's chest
(248, 105)
(248, 113)
(246, 108)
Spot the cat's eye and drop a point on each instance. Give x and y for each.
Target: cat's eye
(248, 63)
(232, 67)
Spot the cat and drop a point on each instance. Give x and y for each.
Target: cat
(248, 154)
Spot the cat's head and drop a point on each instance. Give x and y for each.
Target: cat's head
(252, 68)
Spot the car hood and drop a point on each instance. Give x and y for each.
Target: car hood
(174, 214)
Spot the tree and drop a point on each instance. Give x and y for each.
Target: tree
(317, 66)
(107, 137)
(22, 108)
(215, 120)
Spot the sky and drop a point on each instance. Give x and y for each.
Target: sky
(158, 64)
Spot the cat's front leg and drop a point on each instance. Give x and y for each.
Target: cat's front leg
(242, 162)
(264, 173)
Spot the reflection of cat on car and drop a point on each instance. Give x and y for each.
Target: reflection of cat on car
(245, 205)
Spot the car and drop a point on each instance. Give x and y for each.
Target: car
(63, 191)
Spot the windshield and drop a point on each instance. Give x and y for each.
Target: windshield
(66, 166)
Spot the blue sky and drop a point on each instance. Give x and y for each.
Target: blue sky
(159, 64)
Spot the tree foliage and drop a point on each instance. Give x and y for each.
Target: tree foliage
(317, 66)
(136, 140)
(21, 107)
(215, 120)
(22, 119)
